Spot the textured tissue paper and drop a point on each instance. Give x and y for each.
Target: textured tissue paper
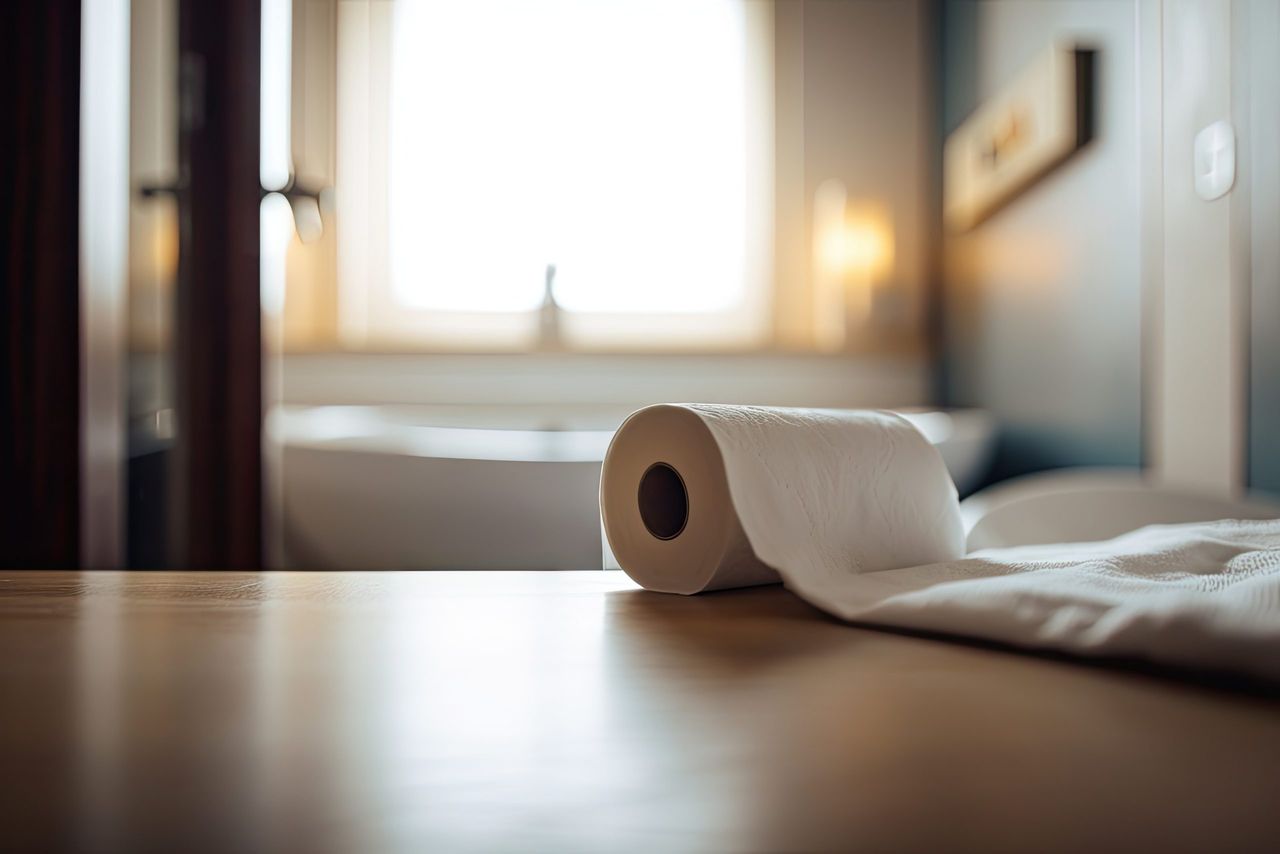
(856, 513)
(703, 497)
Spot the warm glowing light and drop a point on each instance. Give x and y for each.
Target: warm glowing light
(868, 246)
(852, 253)
(856, 245)
(164, 244)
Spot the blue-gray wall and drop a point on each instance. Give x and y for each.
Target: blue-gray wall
(1264, 146)
(1041, 308)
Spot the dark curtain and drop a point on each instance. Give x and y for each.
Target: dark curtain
(39, 292)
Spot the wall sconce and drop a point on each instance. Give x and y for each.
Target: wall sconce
(852, 252)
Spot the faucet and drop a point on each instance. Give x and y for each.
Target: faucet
(549, 314)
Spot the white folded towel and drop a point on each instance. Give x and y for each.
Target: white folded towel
(1203, 595)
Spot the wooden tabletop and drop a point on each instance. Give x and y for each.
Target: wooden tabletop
(573, 712)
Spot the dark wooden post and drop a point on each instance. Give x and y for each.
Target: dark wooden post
(218, 472)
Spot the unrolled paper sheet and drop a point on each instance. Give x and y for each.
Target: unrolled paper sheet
(856, 513)
(701, 497)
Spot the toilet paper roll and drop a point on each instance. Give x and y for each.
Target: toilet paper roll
(699, 497)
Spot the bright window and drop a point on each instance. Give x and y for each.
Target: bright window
(626, 143)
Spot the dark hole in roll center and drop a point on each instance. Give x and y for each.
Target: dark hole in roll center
(664, 502)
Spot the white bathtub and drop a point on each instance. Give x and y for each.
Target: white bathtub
(472, 487)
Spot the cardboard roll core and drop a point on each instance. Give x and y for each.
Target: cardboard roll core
(664, 501)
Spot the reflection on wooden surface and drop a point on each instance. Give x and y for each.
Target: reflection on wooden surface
(570, 711)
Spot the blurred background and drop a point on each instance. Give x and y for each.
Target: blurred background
(370, 283)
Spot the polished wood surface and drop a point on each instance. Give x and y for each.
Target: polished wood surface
(573, 712)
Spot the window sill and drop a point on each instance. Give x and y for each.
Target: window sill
(888, 343)
(776, 377)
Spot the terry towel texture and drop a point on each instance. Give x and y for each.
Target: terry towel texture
(1204, 596)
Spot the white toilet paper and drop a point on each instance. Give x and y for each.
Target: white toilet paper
(701, 497)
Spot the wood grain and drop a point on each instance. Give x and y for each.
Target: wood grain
(573, 712)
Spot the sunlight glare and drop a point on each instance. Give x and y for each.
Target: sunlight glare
(607, 139)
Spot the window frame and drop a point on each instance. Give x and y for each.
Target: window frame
(369, 316)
